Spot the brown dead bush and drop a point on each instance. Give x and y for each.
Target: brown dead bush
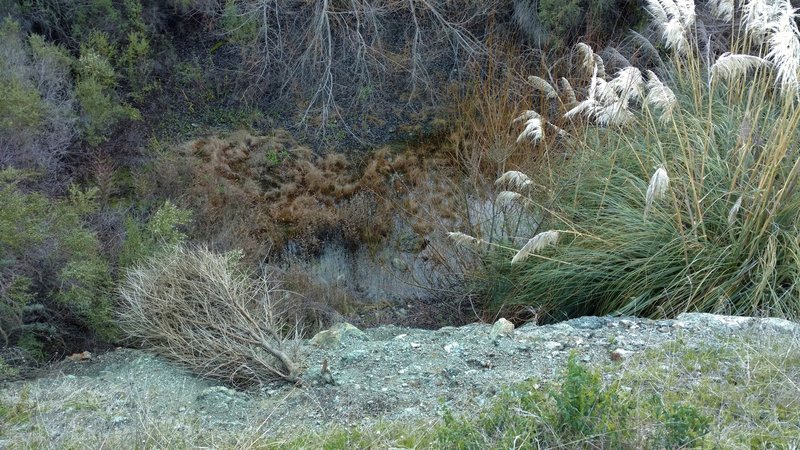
(201, 310)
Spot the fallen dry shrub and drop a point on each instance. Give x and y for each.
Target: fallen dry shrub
(201, 310)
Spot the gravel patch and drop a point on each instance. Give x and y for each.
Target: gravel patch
(352, 377)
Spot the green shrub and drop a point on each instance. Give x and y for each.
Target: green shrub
(51, 262)
(21, 106)
(22, 109)
(137, 65)
(684, 425)
(239, 27)
(144, 240)
(96, 15)
(101, 112)
(6, 371)
(562, 23)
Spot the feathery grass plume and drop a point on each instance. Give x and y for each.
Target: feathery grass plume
(758, 16)
(723, 9)
(616, 113)
(587, 108)
(587, 55)
(533, 126)
(543, 86)
(660, 96)
(514, 179)
(505, 198)
(533, 131)
(730, 66)
(675, 36)
(657, 188)
(591, 60)
(628, 84)
(735, 210)
(600, 96)
(526, 116)
(566, 88)
(466, 240)
(686, 12)
(785, 55)
(676, 18)
(657, 12)
(604, 92)
(535, 244)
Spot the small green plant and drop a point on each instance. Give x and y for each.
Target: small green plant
(163, 229)
(6, 371)
(16, 412)
(584, 407)
(95, 91)
(684, 425)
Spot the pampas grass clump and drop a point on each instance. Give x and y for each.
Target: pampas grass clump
(679, 194)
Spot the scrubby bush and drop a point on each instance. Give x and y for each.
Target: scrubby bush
(580, 410)
(677, 195)
(143, 239)
(204, 311)
(95, 90)
(52, 274)
(37, 118)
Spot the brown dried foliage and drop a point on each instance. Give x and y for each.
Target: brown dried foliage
(258, 192)
(204, 312)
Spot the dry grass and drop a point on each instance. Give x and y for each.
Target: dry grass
(277, 200)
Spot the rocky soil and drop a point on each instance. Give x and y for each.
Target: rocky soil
(352, 376)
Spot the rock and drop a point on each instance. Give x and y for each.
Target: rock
(219, 395)
(354, 356)
(553, 346)
(399, 265)
(713, 320)
(451, 347)
(501, 328)
(338, 334)
(588, 323)
(620, 354)
(781, 326)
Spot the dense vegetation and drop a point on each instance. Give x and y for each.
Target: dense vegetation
(673, 195)
(100, 95)
(646, 163)
(132, 128)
